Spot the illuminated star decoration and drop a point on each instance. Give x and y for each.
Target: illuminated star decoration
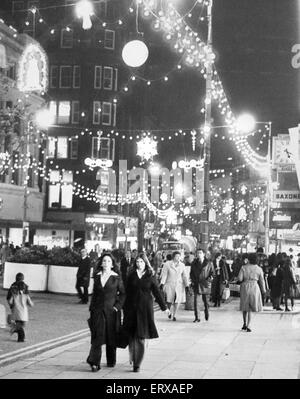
(147, 148)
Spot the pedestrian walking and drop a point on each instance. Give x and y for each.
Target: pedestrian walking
(276, 292)
(107, 301)
(126, 264)
(252, 284)
(220, 279)
(83, 277)
(138, 320)
(288, 283)
(201, 275)
(174, 282)
(18, 299)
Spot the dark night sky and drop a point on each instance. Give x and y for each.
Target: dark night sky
(253, 41)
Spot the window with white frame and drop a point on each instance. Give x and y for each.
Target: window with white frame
(98, 77)
(75, 112)
(60, 194)
(116, 79)
(74, 148)
(63, 112)
(106, 113)
(101, 148)
(108, 73)
(115, 115)
(66, 40)
(51, 147)
(53, 76)
(109, 39)
(96, 112)
(62, 147)
(18, 6)
(67, 189)
(76, 76)
(65, 79)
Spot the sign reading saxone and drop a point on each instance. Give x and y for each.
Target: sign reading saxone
(286, 196)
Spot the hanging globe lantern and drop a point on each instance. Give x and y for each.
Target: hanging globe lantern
(135, 53)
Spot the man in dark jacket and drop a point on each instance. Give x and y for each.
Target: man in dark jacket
(201, 274)
(126, 264)
(83, 277)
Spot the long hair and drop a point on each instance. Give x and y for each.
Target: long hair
(148, 268)
(99, 267)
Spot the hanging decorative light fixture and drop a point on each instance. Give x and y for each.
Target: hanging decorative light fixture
(147, 148)
(84, 10)
(135, 53)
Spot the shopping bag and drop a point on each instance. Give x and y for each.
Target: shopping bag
(122, 339)
(226, 294)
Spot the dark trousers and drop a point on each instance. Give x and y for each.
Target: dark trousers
(19, 329)
(286, 301)
(276, 302)
(95, 354)
(136, 350)
(204, 299)
(84, 296)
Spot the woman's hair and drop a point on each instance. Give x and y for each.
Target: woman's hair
(148, 266)
(19, 284)
(252, 257)
(99, 263)
(175, 253)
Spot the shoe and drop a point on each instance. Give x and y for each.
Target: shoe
(111, 364)
(215, 305)
(196, 321)
(248, 329)
(206, 315)
(287, 310)
(279, 309)
(174, 318)
(94, 367)
(136, 369)
(170, 316)
(244, 327)
(21, 340)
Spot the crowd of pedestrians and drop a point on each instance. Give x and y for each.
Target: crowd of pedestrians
(126, 284)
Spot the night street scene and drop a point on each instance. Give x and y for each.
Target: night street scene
(149, 192)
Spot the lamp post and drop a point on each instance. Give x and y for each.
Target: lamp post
(269, 184)
(207, 130)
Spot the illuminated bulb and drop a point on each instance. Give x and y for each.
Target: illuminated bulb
(84, 10)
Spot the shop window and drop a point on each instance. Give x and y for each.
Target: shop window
(106, 113)
(62, 147)
(66, 38)
(53, 76)
(96, 112)
(98, 77)
(65, 80)
(76, 76)
(108, 78)
(109, 39)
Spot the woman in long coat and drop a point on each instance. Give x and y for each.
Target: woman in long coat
(220, 279)
(107, 301)
(138, 320)
(288, 283)
(174, 282)
(252, 287)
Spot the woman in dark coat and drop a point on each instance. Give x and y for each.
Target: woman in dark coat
(138, 308)
(107, 301)
(288, 283)
(220, 279)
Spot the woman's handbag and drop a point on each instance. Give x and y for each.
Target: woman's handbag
(122, 339)
(226, 294)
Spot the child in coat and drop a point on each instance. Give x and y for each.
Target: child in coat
(18, 299)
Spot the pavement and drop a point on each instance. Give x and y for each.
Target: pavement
(214, 349)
